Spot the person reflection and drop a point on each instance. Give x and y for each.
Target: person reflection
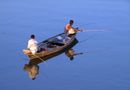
(71, 53)
(32, 69)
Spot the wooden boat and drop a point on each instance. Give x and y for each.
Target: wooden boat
(53, 46)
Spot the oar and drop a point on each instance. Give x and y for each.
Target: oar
(38, 57)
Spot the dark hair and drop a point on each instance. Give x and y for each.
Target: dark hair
(34, 78)
(71, 21)
(32, 36)
(72, 58)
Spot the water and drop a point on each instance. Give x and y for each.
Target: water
(106, 66)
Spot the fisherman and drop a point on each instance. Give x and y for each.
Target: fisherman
(70, 30)
(32, 44)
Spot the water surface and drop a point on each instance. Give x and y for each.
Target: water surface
(106, 66)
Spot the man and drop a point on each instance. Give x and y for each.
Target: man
(32, 44)
(70, 30)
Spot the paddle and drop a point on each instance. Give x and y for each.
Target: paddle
(39, 57)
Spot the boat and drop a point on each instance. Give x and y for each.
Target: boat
(53, 46)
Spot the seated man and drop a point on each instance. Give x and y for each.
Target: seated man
(32, 44)
(70, 30)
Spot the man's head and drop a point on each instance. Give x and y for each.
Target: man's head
(71, 22)
(32, 36)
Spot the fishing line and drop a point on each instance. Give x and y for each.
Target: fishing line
(90, 37)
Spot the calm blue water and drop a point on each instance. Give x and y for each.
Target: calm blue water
(106, 66)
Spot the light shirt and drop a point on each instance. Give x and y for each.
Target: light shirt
(32, 45)
(69, 29)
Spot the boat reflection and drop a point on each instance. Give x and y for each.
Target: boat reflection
(32, 67)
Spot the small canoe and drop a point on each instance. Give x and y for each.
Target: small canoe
(53, 46)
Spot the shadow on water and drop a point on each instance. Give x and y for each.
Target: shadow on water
(32, 66)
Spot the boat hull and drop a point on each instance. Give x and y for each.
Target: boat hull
(45, 55)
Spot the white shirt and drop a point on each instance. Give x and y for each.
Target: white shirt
(32, 45)
(71, 31)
